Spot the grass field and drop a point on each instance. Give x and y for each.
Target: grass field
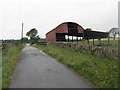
(10, 56)
(100, 71)
(0, 68)
(104, 42)
(0, 64)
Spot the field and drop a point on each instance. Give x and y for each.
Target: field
(0, 64)
(0, 68)
(10, 56)
(104, 43)
(102, 72)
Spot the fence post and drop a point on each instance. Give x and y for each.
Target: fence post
(68, 38)
(77, 39)
(100, 41)
(108, 40)
(93, 41)
(72, 38)
(87, 40)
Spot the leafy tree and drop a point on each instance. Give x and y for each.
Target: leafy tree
(33, 35)
(25, 40)
(88, 29)
(113, 32)
(37, 38)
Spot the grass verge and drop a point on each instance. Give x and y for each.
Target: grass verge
(10, 56)
(101, 72)
(0, 68)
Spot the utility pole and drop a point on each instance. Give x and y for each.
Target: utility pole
(22, 34)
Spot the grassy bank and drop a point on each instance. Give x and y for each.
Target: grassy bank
(101, 72)
(10, 56)
(0, 68)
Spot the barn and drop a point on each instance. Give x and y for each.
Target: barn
(66, 28)
(72, 29)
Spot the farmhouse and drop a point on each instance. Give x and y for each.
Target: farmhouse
(72, 29)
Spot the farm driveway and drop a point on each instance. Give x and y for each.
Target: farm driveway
(38, 70)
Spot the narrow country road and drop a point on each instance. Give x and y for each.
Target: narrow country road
(38, 70)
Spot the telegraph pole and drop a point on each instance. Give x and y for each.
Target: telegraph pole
(22, 34)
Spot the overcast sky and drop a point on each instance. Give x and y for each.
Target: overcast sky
(44, 15)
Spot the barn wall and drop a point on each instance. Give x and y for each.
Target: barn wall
(51, 37)
(80, 29)
(62, 28)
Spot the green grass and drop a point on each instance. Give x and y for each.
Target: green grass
(0, 64)
(113, 44)
(103, 73)
(10, 56)
(0, 69)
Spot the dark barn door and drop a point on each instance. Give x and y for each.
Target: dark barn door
(72, 28)
(60, 37)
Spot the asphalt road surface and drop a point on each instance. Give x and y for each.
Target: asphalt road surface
(35, 69)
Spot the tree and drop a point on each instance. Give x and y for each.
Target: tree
(113, 32)
(37, 38)
(88, 29)
(25, 40)
(118, 32)
(32, 34)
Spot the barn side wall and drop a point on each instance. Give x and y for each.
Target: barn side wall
(63, 28)
(51, 37)
(80, 29)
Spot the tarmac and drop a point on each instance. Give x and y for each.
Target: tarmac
(36, 69)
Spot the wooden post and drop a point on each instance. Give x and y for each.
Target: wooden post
(87, 41)
(77, 39)
(100, 40)
(108, 40)
(72, 38)
(93, 41)
(83, 38)
(68, 38)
